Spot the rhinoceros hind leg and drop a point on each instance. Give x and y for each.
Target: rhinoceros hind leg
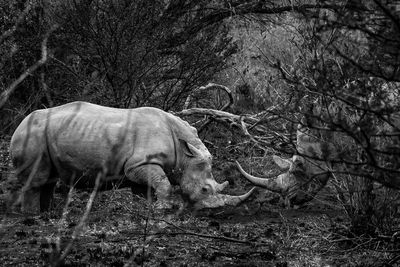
(30, 203)
(32, 173)
(154, 176)
(46, 196)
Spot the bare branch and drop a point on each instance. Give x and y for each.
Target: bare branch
(208, 87)
(186, 232)
(261, 134)
(83, 219)
(206, 121)
(5, 95)
(254, 7)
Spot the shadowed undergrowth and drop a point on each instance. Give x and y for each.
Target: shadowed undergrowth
(122, 230)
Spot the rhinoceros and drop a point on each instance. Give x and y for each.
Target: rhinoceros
(306, 174)
(78, 141)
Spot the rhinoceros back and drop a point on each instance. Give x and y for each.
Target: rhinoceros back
(83, 138)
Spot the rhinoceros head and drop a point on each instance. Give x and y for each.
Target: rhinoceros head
(305, 174)
(198, 184)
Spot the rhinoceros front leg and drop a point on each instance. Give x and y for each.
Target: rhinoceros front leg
(46, 196)
(20, 194)
(30, 200)
(154, 176)
(36, 199)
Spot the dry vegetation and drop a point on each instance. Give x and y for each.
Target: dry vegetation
(122, 230)
(335, 64)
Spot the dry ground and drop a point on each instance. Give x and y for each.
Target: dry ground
(122, 230)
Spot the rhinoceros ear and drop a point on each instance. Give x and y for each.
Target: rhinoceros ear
(188, 149)
(282, 163)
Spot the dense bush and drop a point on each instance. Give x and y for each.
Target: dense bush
(116, 53)
(332, 66)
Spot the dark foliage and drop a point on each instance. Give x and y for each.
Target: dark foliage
(116, 53)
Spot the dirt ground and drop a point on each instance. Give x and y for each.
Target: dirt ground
(125, 230)
(121, 231)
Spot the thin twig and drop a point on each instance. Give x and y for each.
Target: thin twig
(83, 219)
(186, 232)
(5, 95)
(210, 237)
(27, 185)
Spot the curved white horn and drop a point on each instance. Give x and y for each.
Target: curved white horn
(273, 184)
(235, 200)
(221, 187)
(220, 200)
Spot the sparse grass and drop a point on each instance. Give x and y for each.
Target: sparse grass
(318, 234)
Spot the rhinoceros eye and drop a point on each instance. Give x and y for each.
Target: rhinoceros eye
(201, 166)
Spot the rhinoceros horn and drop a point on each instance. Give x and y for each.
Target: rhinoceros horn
(220, 200)
(220, 187)
(305, 174)
(271, 183)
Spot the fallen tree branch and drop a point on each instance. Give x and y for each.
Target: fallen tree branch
(185, 232)
(189, 233)
(150, 235)
(262, 136)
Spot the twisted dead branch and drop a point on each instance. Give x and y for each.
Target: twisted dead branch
(207, 120)
(209, 87)
(245, 123)
(254, 126)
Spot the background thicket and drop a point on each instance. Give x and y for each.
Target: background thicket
(333, 66)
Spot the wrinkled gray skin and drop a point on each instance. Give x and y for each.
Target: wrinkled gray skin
(305, 174)
(79, 141)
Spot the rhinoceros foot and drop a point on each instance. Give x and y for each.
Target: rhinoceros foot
(164, 205)
(27, 202)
